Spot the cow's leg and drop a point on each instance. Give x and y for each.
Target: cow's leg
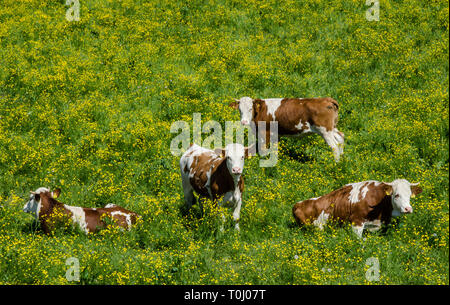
(339, 136)
(201, 202)
(329, 137)
(237, 211)
(373, 226)
(321, 220)
(189, 198)
(358, 229)
(227, 197)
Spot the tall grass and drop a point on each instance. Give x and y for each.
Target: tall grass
(87, 106)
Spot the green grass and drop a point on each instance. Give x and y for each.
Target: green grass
(87, 106)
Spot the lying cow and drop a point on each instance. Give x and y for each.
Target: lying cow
(295, 116)
(43, 205)
(213, 174)
(365, 204)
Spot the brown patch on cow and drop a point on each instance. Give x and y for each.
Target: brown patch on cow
(234, 105)
(220, 181)
(93, 219)
(376, 205)
(415, 190)
(49, 208)
(316, 111)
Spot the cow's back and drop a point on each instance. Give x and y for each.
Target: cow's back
(197, 165)
(356, 202)
(335, 204)
(298, 114)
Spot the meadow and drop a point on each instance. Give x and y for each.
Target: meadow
(87, 106)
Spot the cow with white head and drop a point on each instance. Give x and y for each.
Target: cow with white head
(45, 207)
(365, 204)
(401, 191)
(295, 117)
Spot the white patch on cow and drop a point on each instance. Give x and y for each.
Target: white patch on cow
(110, 205)
(237, 198)
(227, 200)
(208, 181)
(359, 188)
(364, 190)
(358, 230)
(308, 127)
(372, 225)
(78, 216)
(315, 198)
(42, 190)
(127, 217)
(329, 137)
(332, 138)
(321, 220)
(300, 126)
(339, 139)
(272, 105)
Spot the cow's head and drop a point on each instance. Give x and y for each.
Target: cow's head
(245, 106)
(33, 204)
(234, 155)
(401, 191)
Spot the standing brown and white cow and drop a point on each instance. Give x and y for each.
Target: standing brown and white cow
(295, 116)
(365, 204)
(44, 206)
(214, 173)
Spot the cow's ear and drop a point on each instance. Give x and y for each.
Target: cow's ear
(415, 189)
(257, 104)
(388, 189)
(235, 104)
(37, 197)
(220, 152)
(56, 192)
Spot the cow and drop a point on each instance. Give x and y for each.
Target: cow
(366, 204)
(295, 117)
(214, 173)
(44, 206)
